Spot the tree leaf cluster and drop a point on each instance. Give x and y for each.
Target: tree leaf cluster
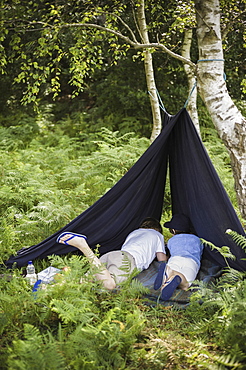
(51, 45)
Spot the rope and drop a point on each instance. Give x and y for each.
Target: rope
(187, 101)
(213, 60)
(161, 105)
(193, 88)
(159, 101)
(210, 60)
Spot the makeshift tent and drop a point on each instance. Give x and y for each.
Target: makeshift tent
(196, 191)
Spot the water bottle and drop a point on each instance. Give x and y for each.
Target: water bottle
(30, 273)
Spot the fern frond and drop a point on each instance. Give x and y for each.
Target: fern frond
(138, 287)
(238, 239)
(35, 352)
(77, 311)
(230, 278)
(227, 361)
(224, 250)
(126, 264)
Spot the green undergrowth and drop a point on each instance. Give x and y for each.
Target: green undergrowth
(74, 324)
(45, 187)
(48, 180)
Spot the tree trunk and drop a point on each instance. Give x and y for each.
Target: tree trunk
(229, 122)
(192, 99)
(149, 72)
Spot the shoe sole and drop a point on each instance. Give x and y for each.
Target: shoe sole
(169, 289)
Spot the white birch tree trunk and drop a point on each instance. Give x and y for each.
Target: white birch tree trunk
(149, 72)
(229, 122)
(191, 78)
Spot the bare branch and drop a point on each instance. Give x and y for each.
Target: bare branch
(166, 50)
(127, 27)
(134, 18)
(133, 43)
(122, 22)
(102, 28)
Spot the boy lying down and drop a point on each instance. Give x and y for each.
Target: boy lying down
(140, 248)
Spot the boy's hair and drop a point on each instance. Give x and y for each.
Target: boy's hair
(151, 223)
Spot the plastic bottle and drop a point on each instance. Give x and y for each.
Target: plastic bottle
(30, 273)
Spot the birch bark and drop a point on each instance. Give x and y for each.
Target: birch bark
(149, 72)
(190, 73)
(229, 122)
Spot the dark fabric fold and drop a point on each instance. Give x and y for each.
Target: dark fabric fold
(198, 192)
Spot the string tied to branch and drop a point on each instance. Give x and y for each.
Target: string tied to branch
(210, 60)
(195, 84)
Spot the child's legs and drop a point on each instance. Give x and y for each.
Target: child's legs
(186, 268)
(170, 273)
(119, 264)
(80, 243)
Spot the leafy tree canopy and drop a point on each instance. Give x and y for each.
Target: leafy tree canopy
(47, 46)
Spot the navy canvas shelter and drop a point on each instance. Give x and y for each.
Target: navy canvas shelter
(196, 191)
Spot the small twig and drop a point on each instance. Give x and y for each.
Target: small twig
(121, 20)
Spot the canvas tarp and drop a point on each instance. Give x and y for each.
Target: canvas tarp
(196, 191)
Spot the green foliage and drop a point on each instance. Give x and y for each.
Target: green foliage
(50, 49)
(17, 130)
(221, 314)
(44, 187)
(108, 344)
(238, 239)
(35, 351)
(224, 250)
(98, 327)
(46, 181)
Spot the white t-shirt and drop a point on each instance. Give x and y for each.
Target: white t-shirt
(143, 244)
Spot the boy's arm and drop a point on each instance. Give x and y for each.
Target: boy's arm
(161, 256)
